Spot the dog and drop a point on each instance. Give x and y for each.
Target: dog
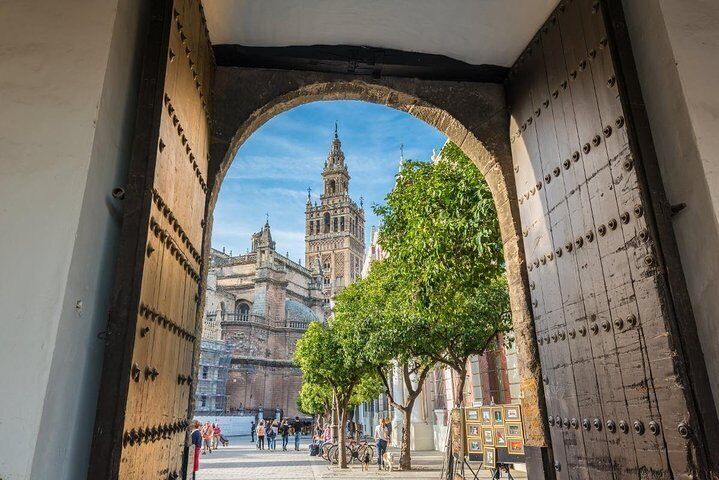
(387, 459)
(365, 462)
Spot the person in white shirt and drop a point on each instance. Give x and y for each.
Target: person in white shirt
(381, 435)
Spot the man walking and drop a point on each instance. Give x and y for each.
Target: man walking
(297, 425)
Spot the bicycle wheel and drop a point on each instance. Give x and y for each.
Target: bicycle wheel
(326, 450)
(364, 450)
(333, 456)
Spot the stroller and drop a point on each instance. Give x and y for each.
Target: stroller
(224, 441)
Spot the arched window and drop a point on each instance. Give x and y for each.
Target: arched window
(332, 186)
(243, 311)
(327, 223)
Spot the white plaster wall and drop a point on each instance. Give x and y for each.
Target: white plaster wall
(66, 94)
(676, 48)
(231, 426)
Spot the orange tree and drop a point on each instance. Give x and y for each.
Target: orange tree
(325, 353)
(440, 228)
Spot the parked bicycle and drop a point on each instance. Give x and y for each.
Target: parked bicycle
(355, 450)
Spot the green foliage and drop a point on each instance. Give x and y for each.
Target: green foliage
(366, 390)
(314, 399)
(440, 229)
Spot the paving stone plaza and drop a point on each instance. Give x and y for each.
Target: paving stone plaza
(242, 461)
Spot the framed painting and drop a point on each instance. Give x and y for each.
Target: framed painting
(486, 413)
(500, 437)
(472, 414)
(475, 446)
(515, 446)
(487, 436)
(512, 413)
(514, 430)
(474, 429)
(497, 416)
(490, 457)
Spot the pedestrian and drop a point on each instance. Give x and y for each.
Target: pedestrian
(285, 432)
(297, 425)
(207, 433)
(388, 426)
(381, 436)
(252, 432)
(327, 434)
(196, 438)
(217, 433)
(261, 435)
(272, 435)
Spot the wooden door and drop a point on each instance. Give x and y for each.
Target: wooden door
(154, 325)
(619, 403)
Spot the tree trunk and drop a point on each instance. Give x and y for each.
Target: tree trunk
(333, 420)
(458, 401)
(342, 438)
(405, 457)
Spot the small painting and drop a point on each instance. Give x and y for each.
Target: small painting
(497, 416)
(472, 414)
(473, 430)
(486, 416)
(490, 457)
(514, 430)
(515, 446)
(475, 446)
(487, 436)
(512, 413)
(500, 437)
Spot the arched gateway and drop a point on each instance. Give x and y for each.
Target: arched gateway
(609, 388)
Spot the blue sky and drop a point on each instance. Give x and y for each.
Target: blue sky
(274, 167)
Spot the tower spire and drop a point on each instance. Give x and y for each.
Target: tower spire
(336, 136)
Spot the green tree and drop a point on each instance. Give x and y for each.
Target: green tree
(315, 399)
(324, 353)
(386, 318)
(440, 224)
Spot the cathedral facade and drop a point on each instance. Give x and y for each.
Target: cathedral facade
(260, 303)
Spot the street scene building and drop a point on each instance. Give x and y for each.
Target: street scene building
(259, 303)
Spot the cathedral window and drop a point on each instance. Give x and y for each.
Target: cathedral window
(243, 311)
(331, 187)
(327, 223)
(335, 224)
(312, 228)
(342, 224)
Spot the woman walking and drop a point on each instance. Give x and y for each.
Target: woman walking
(381, 435)
(285, 432)
(272, 435)
(261, 435)
(207, 432)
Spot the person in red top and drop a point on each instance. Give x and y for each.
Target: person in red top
(196, 438)
(216, 435)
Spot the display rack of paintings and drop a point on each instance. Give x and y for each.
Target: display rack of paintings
(494, 434)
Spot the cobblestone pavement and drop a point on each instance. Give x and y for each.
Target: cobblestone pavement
(242, 461)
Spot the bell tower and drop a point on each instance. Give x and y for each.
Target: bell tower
(334, 234)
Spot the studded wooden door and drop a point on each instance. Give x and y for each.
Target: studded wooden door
(617, 401)
(153, 331)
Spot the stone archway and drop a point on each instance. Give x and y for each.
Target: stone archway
(473, 116)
